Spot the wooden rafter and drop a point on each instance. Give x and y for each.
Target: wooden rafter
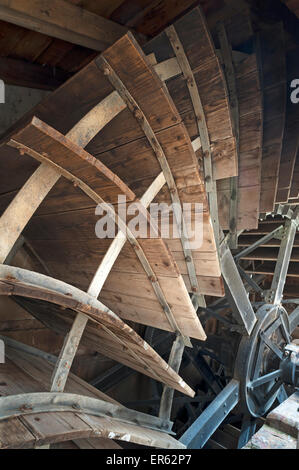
(62, 20)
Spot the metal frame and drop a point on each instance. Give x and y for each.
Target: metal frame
(204, 427)
(210, 183)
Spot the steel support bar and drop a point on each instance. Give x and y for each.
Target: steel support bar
(259, 242)
(29, 403)
(174, 362)
(250, 281)
(206, 424)
(235, 290)
(279, 278)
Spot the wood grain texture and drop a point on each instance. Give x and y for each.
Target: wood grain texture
(198, 45)
(290, 144)
(26, 373)
(64, 21)
(109, 332)
(250, 149)
(272, 62)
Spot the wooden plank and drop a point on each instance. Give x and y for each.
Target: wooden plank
(272, 62)
(46, 428)
(64, 21)
(36, 286)
(294, 192)
(285, 417)
(250, 149)
(45, 144)
(21, 73)
(198, 46)
(291, 139)
(13, 433)
(229, 70)
(21, 209)
(269, 268)
(270, 254)
(40, 370)
(250, 130)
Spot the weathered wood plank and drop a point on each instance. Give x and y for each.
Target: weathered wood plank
(291, 138)
(64, 21)
(21, 73)
(272, 62)
(36, 286)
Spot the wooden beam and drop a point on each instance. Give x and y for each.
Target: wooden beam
(24, 205)
(62, 20)
(22, 73)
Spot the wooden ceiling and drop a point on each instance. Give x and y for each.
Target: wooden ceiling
(30, 58)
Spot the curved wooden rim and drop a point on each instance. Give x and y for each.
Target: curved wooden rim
(24, 283)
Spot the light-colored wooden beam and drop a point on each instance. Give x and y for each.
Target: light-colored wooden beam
(62, 20)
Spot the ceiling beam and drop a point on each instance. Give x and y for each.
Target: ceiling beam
(60, 19)
(21, 73)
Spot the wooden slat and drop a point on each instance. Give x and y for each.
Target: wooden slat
(291, 138)
(21, 73)
(250, 149)
(48, 145)
(64, 21)
(272, 64)
(270, 254)
(46, 428)
(199, 49)
(294, 192)
(269, 268)
(115, 336)
(21, 209)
